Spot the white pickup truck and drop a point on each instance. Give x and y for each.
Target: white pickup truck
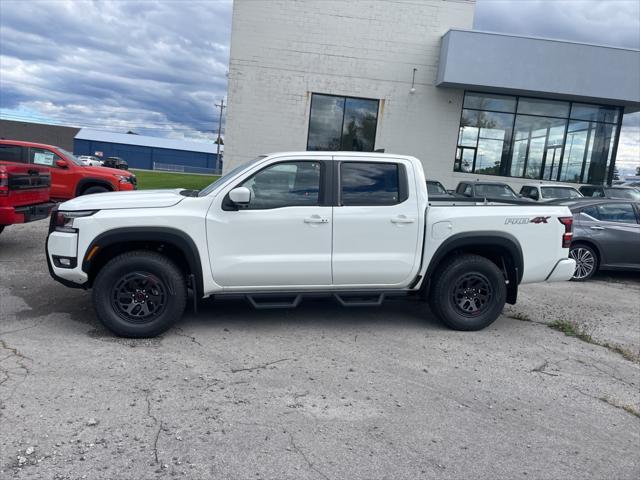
(356, 226)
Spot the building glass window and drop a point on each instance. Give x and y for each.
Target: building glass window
(342, 123)
(536, 138)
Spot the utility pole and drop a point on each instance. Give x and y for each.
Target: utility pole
(221, 106)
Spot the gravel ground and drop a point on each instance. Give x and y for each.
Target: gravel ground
(320, 392)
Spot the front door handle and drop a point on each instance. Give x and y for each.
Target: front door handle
(402, 219)
(316, 219)
(596, 228)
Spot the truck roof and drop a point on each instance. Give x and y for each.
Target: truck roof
(370, 155)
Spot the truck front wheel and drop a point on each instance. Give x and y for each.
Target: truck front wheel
(139, 294)
(469, 292)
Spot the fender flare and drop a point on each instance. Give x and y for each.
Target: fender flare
(488, 238)
(94, 182)
(172, 236)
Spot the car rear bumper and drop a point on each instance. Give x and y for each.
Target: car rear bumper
(28, 213)
(563, 271)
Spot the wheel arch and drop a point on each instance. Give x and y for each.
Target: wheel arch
(171, 242)
(501, 248)
(85, 183)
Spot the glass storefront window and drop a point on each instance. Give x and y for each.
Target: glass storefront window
(486, 101)
(342, 123)
(545, 140)
(547, 108)
(486, 135)
(594, 113)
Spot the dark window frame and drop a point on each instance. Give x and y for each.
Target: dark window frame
(325, 194)
(505, 166)
(403, 186)
(344, 98)
(24, 157)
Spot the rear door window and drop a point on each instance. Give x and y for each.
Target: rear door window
(11, 153)
(612, 212)
(371, 184)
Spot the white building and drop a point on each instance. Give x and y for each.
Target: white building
(394, 75)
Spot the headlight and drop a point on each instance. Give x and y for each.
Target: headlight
(64, 220)
(124, 179)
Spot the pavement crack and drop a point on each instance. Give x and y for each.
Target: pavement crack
(20, 360)
(156, 437)
(306, 459)
(258, 367)
(178, 331)
(612, 402)
(542, 369)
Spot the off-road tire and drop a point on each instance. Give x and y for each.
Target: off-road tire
(448, 292)
(164, 275)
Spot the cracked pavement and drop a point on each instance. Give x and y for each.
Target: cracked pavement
(319, 392)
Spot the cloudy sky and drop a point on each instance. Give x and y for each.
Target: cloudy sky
(158, 67)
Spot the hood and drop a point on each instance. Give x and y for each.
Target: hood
(119, 200)
(106, 170)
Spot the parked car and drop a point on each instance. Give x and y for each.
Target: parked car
(606, 236)
(436, 189)
(489, 190)
(600, 191)
(69, 178)
(288, 225)
(24, 190)
(542, 192)
(90, 160)
(115, 162)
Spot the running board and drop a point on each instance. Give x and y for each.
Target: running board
(359, 300)
(262, 302)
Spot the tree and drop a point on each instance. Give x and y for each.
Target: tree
(638, 171)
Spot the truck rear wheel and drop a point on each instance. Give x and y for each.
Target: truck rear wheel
(139, 294)
(469, 292)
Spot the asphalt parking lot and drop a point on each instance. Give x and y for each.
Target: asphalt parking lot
(320, 392)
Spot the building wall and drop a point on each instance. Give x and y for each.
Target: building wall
(282, 51)
(39, 133)
(144, 157)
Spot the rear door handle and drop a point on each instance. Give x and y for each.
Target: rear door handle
(316, 219)
(596, 228)
(402, 219)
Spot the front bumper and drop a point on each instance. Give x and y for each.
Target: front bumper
(63, 245)
(563, 270)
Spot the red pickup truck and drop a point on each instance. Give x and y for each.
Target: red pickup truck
(69, 177)
(24, 193)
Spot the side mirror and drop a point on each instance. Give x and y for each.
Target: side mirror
(61, 163)
(240, 196)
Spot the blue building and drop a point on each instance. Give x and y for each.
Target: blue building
(141, 151)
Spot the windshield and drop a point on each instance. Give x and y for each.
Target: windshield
(230, 174)
(435, 188)
(495, 191)
(560, 192)
(628, 193)
(70, 156)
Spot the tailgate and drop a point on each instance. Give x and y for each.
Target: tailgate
(22, 184)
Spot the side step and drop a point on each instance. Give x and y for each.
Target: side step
(359, 300)
(261, 302)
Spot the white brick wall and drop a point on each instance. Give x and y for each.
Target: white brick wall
(283, 50)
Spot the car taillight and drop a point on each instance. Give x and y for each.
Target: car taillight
(4, 184)
(568, 234)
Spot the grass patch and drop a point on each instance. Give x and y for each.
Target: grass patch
(148, 179)
(521, 316)
(572, 329)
